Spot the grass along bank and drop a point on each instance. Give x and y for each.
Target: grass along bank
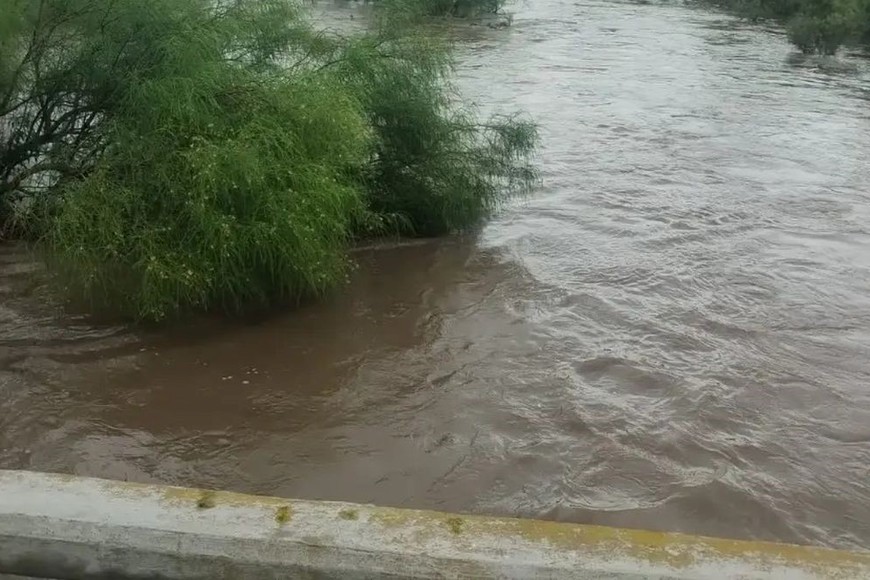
(181, 156)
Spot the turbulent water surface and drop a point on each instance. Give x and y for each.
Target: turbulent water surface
(673, 333)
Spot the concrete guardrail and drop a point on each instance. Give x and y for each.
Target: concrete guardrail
(66, 527)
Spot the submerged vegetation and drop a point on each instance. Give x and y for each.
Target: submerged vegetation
(814, 26)
(455, 8)
(171, 156)
(463, 8)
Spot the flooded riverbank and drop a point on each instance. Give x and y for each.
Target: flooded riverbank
(673, 333)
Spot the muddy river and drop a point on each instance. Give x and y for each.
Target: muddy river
(672, 333)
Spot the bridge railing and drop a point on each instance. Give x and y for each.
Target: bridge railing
(66, 527)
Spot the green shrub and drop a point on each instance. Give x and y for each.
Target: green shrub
(821, 35)
(435, 167)
(223, 184)
(814, 26)
(219, 216)
(218, 154)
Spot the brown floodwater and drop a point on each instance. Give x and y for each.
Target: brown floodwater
(672, 333)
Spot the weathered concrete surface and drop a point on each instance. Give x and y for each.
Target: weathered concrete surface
(70, 527)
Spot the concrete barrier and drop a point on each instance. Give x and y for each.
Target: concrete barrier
(66, 527)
